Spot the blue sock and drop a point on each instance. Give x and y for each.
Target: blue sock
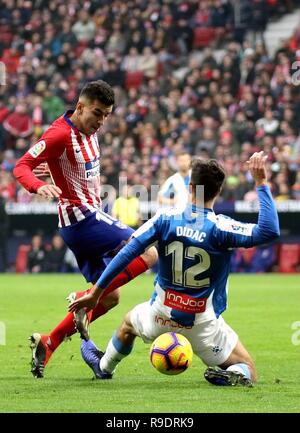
(114, 353)
(121, 347)
(240, 368)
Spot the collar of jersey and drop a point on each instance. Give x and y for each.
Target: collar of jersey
(68, 120)
(195, 208)
(192, 212)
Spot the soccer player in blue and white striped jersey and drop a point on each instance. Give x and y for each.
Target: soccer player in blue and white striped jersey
(175, 190)
(190, 290)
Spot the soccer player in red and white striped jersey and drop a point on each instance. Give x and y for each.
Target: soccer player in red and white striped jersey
(71, 149)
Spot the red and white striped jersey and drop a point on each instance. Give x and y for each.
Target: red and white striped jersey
(74, 163)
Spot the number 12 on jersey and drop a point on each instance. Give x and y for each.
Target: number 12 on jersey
(187, 277)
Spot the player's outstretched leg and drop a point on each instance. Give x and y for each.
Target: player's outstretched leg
(43, 345)
(119, 346)
(67, 326)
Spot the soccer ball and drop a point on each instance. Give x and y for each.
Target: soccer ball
(171, 353)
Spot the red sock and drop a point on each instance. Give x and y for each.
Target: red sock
(66, 327)
(98, 311)
(135, 268)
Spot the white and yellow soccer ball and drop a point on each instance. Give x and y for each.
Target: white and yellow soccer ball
(171, 353)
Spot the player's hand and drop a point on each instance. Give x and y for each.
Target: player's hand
(49, 191)
(87, 301)
(41, 170)
(257, 167)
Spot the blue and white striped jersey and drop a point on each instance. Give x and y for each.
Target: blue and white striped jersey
(177, 186)
(194, 249)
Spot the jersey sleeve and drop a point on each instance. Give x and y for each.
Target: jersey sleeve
(229, 233)
(50, 146)
(143, 238)
(147, 234)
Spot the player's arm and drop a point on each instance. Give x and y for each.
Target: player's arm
(42, 170)
(230, 233)
(145, 237)
(49, 146)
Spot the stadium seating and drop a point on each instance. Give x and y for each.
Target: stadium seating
(203, 36)
(134, 80)
(6, 34)
(160, 69)
(289, 258)
(196, 120)
(21, 259)
(80, 48)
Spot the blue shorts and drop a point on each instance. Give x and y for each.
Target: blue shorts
(95, 241)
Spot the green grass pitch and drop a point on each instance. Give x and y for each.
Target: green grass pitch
(261, 309)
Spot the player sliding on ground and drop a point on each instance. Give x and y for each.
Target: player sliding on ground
(190, 290)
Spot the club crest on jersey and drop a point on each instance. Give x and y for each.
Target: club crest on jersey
(92, 169)
(37, 149)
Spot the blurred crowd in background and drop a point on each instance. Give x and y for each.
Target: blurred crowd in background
(191, 76)
(220, 96)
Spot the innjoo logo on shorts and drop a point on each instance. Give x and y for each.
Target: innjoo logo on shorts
(183, 302)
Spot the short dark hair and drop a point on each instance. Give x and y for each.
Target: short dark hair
(182, 152)
(99, 90)
(208, 173)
